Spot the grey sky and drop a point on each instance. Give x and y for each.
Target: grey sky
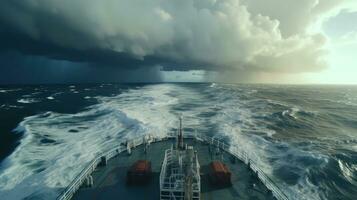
(108, 40)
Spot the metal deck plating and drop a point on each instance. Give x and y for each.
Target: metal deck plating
(248, 181)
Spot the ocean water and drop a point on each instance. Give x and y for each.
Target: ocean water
(303, 137)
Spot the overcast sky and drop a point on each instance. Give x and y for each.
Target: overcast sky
(278, 41)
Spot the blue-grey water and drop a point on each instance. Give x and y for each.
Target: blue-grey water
(303, 137)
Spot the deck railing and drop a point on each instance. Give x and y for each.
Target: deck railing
(87, 171)
(234, 150)
(249, 160)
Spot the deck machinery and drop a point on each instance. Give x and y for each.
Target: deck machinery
(180, 172)
(176, 167)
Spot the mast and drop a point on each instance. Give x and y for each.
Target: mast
(180, 136)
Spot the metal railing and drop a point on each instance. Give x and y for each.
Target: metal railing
(249, 161)
(87, 171)
(234, 150)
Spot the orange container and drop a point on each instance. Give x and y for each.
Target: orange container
(139, 172)
(219, 174)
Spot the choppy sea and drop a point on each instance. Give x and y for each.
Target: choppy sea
(303, 137)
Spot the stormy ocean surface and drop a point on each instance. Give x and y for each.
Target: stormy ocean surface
(304, 137)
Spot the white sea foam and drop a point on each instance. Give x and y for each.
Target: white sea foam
(291, 112)
(36, 93)
(9, 90)
(53, 96)
(9, 106)
(236, 121)
(28, 100)
(73, 90)
(252, 91)
(38, 169)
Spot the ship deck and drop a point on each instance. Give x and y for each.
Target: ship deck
(109, 182)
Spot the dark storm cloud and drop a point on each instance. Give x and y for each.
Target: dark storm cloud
(104, 57)
(177, 35)
(16, 68)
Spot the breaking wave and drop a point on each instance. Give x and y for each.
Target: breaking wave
(37, 166)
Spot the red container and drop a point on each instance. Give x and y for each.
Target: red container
(219, 174)
(139, 172)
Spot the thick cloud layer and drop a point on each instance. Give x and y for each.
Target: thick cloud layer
(243, 35)
(19, 69)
